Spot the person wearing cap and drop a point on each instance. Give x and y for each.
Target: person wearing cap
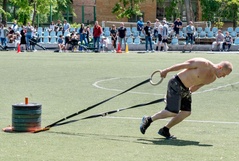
(148, 36)
(190, 30)
(165, 35)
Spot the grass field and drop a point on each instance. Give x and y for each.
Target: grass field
(65, 83)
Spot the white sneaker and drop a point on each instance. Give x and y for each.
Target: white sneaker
(35, 50)
(60, 51)
(147, 51)
(152, 51)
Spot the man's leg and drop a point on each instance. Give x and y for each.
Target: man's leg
(146, 121)
(174, 121)
(178, 118)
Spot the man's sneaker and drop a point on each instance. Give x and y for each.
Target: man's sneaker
(167, 135)
(145, 124)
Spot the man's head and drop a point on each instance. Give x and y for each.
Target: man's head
(224, 68)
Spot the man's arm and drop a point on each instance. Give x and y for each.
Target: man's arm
(190, 64)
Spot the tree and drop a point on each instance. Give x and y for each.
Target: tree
(27, 10)
(127, 8)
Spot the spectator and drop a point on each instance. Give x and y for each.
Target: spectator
(17, 39)
(158, 26)
(165, 35)
(3, 35)
(88, 34)
(219, 40)
(23, 38)
(10, 35)
(29, 34)
(140, 25)
(113, 34)
(66, 27)
(227, 41)
(58, 26)
(122, 34)
(14, 26)
(61, 45)
(82, 33)
(176, 26)
(52, 26)
(97, 31)
(190, 30)
(148, 36)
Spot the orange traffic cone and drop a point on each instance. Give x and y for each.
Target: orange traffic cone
(18, 48)
(119, 48)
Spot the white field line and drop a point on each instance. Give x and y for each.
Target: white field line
(194, 121)
(96, 84)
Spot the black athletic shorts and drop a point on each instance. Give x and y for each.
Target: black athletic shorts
(165, 41)
(178, 96)
(159, 37)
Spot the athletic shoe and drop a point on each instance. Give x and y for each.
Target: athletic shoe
(147, 51)
(165, 134)
(144, 125)
(152, 51)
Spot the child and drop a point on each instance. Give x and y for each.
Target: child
(61, 45)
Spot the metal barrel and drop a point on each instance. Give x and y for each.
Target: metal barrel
(26, 117)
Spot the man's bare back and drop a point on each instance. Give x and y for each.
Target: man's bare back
(197, 72)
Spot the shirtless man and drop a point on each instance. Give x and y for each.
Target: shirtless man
(194, 73)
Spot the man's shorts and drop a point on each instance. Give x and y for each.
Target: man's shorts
(178, 96)
(176, 31)
(165, 41)
(189, 39)
(159, 37)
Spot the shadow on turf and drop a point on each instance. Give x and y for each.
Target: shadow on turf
(174, 142)
(122, 138)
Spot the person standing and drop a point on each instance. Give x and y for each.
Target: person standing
(165, 35)
(158, 26)
(177, 25)
(227, 41)
(3, 35)
(113, 34)
(66, 27)
(83, 36)
(193, 74)
(148, 36)
(122, 35)
(140, 25)
(97, 31)
(190, 30)
(29, 33)
(14, 26)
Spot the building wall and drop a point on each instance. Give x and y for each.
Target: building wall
(104, 8)
(88, 10)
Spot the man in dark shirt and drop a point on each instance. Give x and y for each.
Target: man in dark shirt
(177, 25)
(122, 34)
(148, 36)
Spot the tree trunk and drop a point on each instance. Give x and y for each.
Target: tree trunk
(189, 11)
(4, 17)
(34, 13)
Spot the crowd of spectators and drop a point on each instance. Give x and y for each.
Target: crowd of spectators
(153, 34)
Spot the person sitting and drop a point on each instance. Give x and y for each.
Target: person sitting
(61, 45)
(219, 40)
(227, 41)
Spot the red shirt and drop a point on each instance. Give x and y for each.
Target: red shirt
(97, 31)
